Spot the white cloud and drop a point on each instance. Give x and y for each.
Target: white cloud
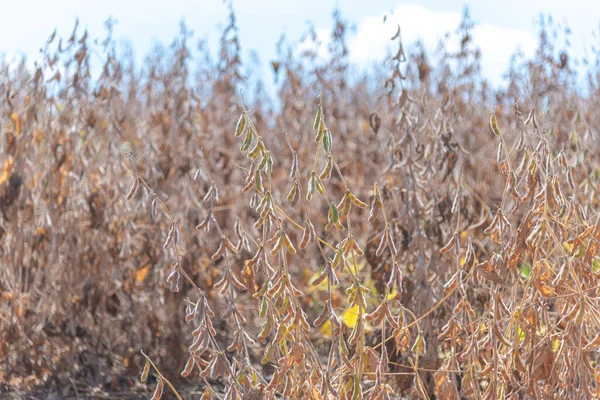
(497, 44)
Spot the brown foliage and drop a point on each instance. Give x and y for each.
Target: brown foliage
(405, 241)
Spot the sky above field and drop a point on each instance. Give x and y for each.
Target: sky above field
(502, 26)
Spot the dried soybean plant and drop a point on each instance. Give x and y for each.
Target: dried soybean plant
(538, 331)
(518, 304)
(503, 292)
(352, 369)
(299, 368)
(403, 243)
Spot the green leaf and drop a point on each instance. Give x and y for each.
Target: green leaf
(595, 265)
(334, 214)
(525, 271)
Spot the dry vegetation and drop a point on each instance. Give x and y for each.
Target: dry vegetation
(424, 236)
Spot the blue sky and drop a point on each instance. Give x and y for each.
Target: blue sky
(502, 26)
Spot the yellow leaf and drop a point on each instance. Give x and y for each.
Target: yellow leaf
(17, 121)
(542, 330)
(141, 273)
(351, 316)
(391, 296)
(6, 169)
(38, 135)
(315, 394)
(325, 329)
(568, 246)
